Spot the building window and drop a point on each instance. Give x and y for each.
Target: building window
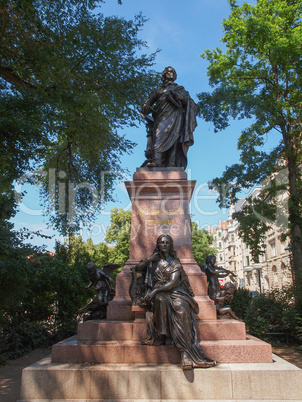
(220, 245)
(273, 249)
(232, 237)
(219, 234)
(247, 260)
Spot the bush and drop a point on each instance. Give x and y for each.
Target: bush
(299, 329)
(268, 313)
(241, 302)
(40, 296)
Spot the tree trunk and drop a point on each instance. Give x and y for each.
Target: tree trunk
(295, 229)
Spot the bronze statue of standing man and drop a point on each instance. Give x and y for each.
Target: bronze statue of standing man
(174, 114)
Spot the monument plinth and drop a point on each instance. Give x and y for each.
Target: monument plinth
(106, 359)
(160, 200)
(160, 205)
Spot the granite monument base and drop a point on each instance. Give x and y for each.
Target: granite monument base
(106, 361)
(46, 381)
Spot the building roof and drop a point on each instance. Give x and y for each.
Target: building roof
(221, 225)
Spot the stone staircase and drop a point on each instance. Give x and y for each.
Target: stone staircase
(117, 340)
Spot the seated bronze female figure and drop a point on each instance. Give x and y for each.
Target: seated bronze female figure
(170, 304)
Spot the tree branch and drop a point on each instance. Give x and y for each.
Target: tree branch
(8, 75)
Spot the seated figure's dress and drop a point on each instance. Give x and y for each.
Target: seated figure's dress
(174, 310)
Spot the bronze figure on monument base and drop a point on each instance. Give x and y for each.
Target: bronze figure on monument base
(165, 292)
(222, 296)
(104, 288)
(170, 128)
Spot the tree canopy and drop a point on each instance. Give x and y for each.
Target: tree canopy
(118, 235)
(258, 77)
(69, 78)
(201, 241)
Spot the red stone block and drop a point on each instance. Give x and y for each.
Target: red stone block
(250, 350)
(119, 309)
(223, 329)
(93, 331)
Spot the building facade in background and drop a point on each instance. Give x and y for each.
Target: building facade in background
(273, 271)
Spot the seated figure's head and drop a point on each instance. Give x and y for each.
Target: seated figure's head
(168, 238)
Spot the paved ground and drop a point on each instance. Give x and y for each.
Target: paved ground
(289, 353)
(10, 374)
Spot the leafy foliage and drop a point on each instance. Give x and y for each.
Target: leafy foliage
(265, 313)
(39, 296)
(40, 293)
(118, 235)
(81, 252)
(240, 303)
(259, 77)
(201, 241)
(69, 78)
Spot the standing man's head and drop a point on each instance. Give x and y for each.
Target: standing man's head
(169, 74)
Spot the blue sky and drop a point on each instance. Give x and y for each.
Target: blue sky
(182, 30)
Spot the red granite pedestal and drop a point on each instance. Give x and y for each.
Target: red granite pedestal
(160, 205)
(106, 360)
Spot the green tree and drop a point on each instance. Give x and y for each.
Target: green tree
(80, 252)
(102, 254)
(69, 78)
(98, 253)
(40, 295)
(76, 249)
(118, 235)
(68, 280)
(201, 241)
(91, 249)
(259, 77)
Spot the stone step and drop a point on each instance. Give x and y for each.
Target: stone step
(215, 330)
(250, 350)
(120, 308)
(98, 330)
(45, 381)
